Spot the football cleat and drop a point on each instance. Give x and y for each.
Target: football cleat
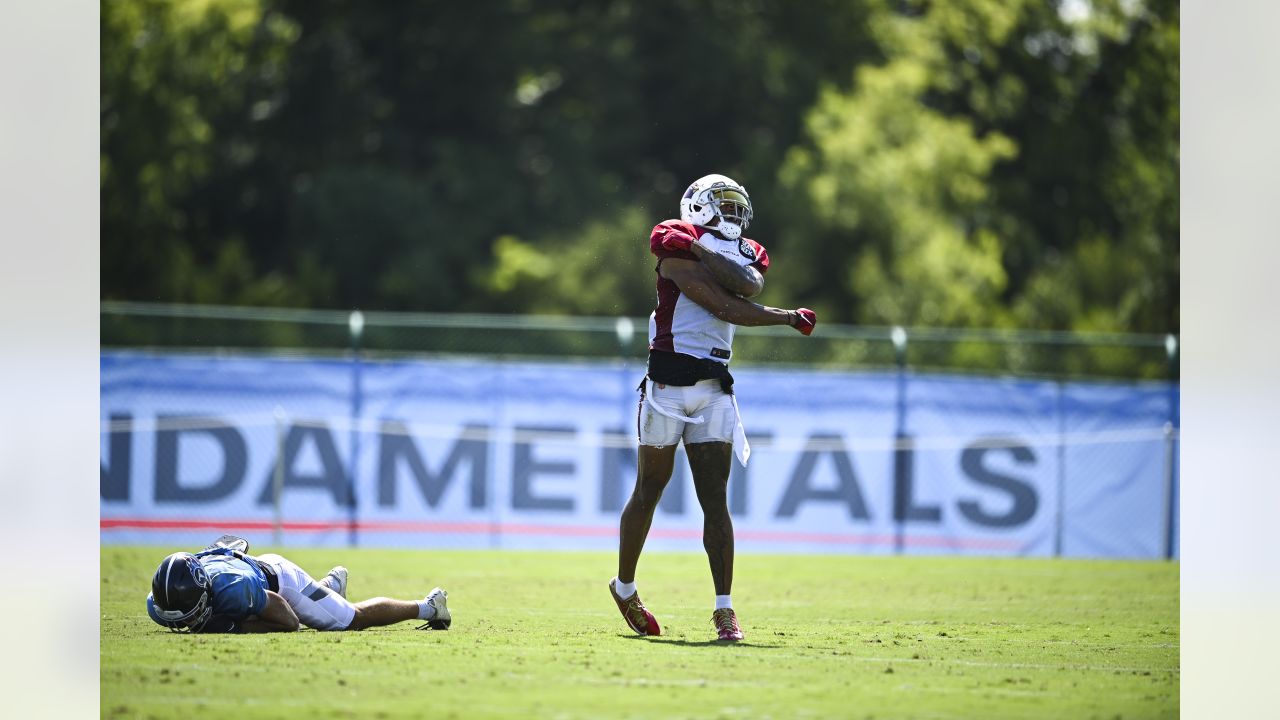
(441, 620)
(634, 612)
(726, 625)
(336, 580)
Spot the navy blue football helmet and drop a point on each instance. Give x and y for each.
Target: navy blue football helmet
(181, 595)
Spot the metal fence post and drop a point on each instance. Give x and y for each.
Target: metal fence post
(1170, 448)
(355, 323)
(1060, 518)
(277, 482)
(624, 329)
(901, 452)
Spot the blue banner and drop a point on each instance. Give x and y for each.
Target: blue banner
(479, 453)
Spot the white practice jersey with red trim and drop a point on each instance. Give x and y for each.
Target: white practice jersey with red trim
(679, 324)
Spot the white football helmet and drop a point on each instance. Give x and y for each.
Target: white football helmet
(716, 201)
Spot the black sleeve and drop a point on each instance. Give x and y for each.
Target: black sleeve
(219, 624)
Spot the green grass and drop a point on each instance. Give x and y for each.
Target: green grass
(536, 635)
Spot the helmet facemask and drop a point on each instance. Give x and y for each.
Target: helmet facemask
(733, 207)
(193, 619)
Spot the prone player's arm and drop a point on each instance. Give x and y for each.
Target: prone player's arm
(697, 282)
(277, 616)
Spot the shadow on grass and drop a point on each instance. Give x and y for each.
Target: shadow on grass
(698, 643)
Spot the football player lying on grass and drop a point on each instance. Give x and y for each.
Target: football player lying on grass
(223, 589)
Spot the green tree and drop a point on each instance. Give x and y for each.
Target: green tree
(1096, 205)
(896, 192)
(294, 152)
(177, 86)
(1009, 163)
(966, 163)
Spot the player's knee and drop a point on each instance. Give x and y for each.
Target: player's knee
(651, 485)
(713, 498)
(714, 507)
(359, 620)
(645, 499)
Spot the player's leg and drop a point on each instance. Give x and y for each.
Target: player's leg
(653, 472)
(659, 434)
(659, 428)
(652, 475)
(709, 462)
(710, 449)
(320, 607)
(379, 611)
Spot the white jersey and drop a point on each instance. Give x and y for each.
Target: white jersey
(679, 324)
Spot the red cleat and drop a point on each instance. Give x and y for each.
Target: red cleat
(727, 625)
(634, 612)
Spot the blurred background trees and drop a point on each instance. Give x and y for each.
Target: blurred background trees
(973, 163)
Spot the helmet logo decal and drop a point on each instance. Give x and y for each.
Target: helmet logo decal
(197, 572)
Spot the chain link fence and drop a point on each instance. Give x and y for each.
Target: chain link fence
(1023, 353)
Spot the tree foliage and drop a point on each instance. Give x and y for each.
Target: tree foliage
(967, 163)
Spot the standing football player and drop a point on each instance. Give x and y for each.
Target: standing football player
(225, 590)
(706, 269)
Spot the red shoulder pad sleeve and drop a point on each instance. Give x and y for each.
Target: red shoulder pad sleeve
(762, 255)
(662, 229)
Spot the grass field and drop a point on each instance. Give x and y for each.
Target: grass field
(536, 635)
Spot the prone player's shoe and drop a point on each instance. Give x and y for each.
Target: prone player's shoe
(336, 580)
(726, 625)
(438, 599)
(635, 613)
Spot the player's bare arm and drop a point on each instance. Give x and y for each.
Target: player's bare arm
(741, 280)
(277, 616)
(697, 281)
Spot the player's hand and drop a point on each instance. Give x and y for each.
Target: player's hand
(804, 320)
(676, 240)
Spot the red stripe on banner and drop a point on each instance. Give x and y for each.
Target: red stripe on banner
(474, 528)
(907, 540)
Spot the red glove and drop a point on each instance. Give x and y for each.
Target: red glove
(676, 240)
(804, 320)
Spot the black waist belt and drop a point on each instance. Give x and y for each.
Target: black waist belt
(671, 368)
(273, 580)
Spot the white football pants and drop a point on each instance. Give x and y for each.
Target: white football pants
(317, 606)
(698, 413)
